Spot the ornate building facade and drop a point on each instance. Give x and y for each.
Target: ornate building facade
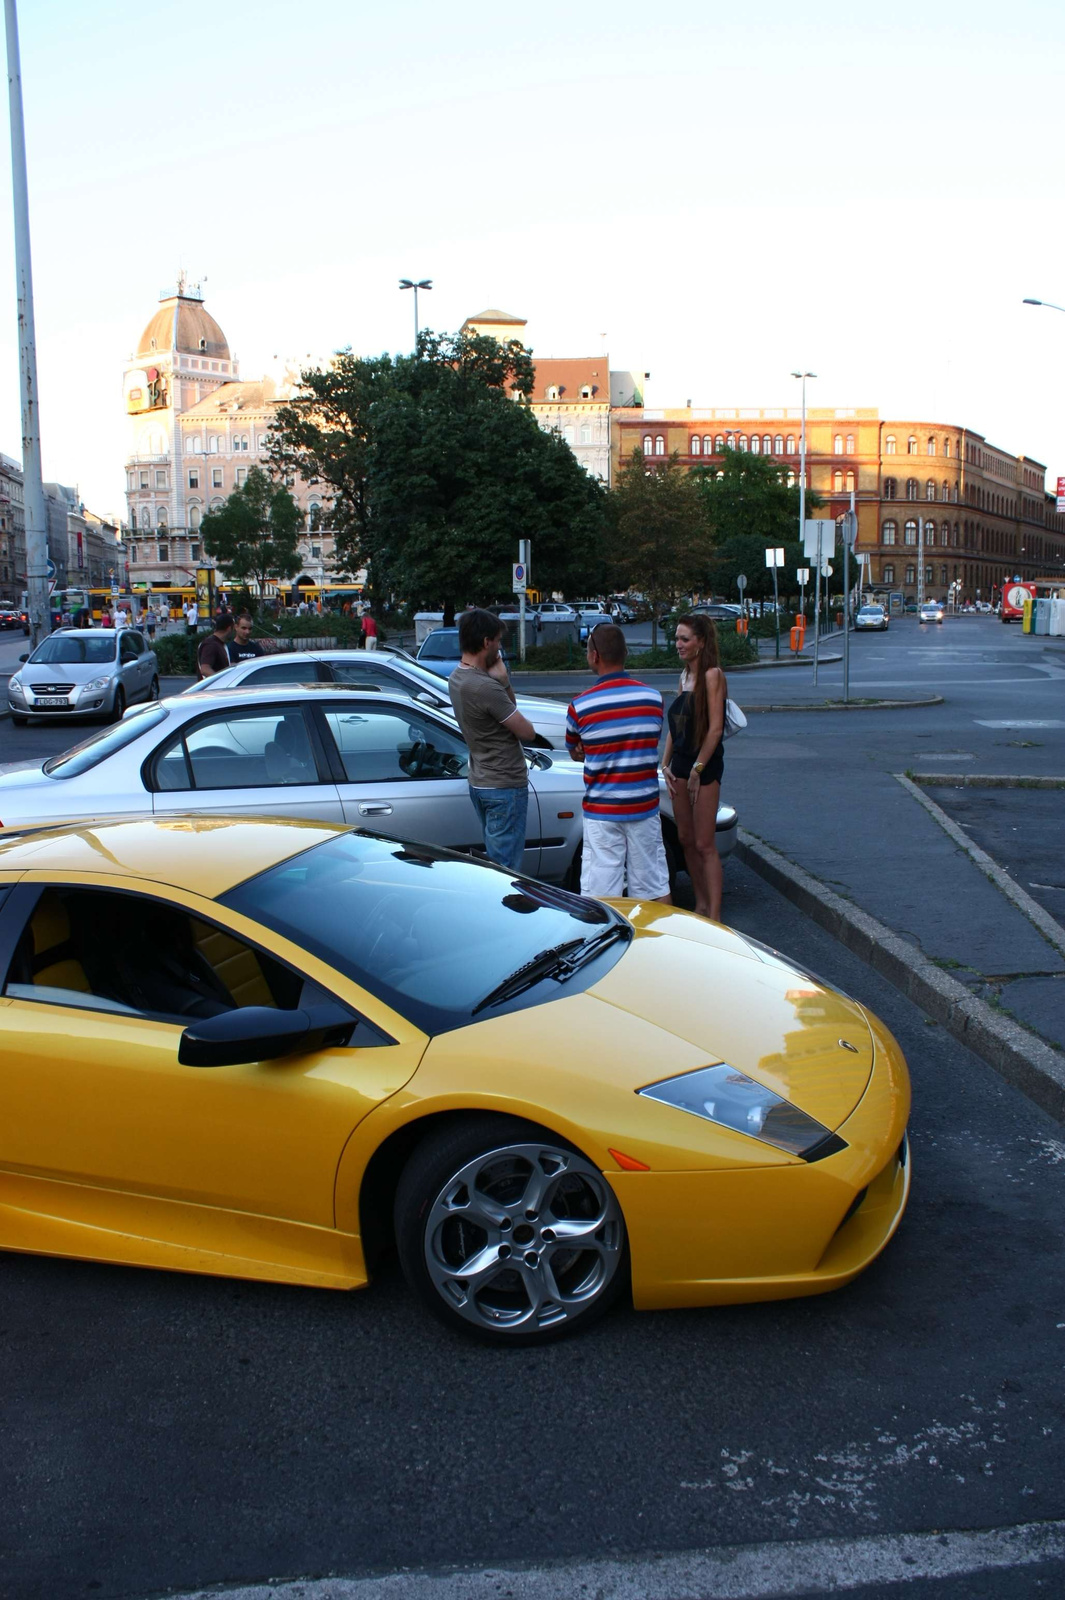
(195, 431)
(985, 514)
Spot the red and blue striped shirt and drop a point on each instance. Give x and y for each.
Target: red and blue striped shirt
(618, 721)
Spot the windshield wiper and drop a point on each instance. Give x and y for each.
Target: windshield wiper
(560, 962)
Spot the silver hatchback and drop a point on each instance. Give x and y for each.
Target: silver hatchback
(79, 672)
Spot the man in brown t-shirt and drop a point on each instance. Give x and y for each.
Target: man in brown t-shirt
(212, 655)
(495, 731)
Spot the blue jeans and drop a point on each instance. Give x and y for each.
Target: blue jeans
(502, 815)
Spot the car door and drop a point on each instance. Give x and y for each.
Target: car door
(141, 667)
(99, 1119)
(130, 672)
(403, 772)
(259, 759)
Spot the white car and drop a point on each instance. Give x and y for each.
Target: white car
(556, 611)
(931, 611)
(392, 672)
(318, 751)
(83, 672)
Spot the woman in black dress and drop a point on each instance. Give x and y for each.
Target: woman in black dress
(694, 758)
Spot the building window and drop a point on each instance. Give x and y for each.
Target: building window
(850, 482)
(144, 480)
(946, 447)
(314, 516)
(146, 520)
(944, 534)
(160, 517)
(931, 448)
(660, 445)
(778, 445)
(943, 574)
(164, 552)
(767, 445)
(241, 474)
(850, 444)
(586, 433)
(216, 477)
(910, 533)
(194, 516)
(719, 445)
(911, 488)
(194, 552)
(928, 575)
(791, 479)
(790, 445)
(695, 445)
(212, 444)
(911, 446)
(316, 552)
(132, 554)
(889, 533)
(586, 392)
(837, 445)
(889, 573)
(194, 477)
(929, 533)
(552, 391)
(160, 480)
(891, 487)
(889, 445)
(930, 489)
(756, 445)
(648, 444)
(911, 574)
(567, 434)
(837, 481)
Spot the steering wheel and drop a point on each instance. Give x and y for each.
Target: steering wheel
(416, 760)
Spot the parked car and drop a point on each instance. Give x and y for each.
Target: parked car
(317, 751)
(871, 617)
(718, 611)
(932, 611)
(387, 670)
(591, 618)
(78, 672)
(208, 1073)
(440, 651)
(556, 611)
(10, 618)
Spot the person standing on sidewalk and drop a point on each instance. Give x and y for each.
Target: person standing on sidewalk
(242, 647)
(694, 760)
(614, 728)
(495, 731)
(369, 631)
(212, 655)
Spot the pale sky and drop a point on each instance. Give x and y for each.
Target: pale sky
(725, 193)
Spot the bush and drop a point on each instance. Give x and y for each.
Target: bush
(549, 657)
(176, 654)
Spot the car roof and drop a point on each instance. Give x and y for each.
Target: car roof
(247, 694)
(206, 855)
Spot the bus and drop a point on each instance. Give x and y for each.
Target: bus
(1014, 595)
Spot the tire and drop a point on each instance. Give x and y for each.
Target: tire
(118, 710)
(153, 692)
(19, 722)
(481, 1190)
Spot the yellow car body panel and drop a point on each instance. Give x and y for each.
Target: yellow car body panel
(110, 1150)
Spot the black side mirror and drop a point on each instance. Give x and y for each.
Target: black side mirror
(261, 1033)
(24, 658)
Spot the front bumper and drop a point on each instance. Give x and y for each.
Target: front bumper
(81, 705)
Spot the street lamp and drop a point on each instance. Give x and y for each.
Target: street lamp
(802, 508)
(422, 283)
(1048, 303)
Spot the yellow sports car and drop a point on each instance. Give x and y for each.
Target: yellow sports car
(270, 1049)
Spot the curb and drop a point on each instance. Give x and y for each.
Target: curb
(851, 705)
(982, 780)
(1019, 1057)
(1041, 920)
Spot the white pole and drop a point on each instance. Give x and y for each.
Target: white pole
(920, 564)
(33, 490)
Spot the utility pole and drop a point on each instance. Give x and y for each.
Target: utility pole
(33, 488)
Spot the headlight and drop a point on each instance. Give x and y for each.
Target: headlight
(724, 1095)
(15, 687)
(97, 683)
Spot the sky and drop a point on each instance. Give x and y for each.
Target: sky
(715, 195)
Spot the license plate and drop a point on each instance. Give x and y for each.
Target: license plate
(52, 700)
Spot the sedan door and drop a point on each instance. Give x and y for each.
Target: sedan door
(404, 773)
(265, 760)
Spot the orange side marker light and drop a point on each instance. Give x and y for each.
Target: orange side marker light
(628, 1163)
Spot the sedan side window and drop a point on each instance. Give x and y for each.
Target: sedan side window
(239, 750)
(381, 746)
(106, 951)
(284, 672)
(368, 675)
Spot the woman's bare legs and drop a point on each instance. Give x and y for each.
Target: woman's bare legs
(698, 839)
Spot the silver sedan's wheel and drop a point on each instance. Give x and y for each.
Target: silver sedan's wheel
(514, 1236)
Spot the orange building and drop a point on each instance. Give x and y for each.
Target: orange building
(986, 514)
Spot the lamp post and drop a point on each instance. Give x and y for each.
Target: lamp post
(1048, 303)
(422, 283)
(802, 508)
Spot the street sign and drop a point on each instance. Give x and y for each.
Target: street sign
(849, 529)
(774, 556)
(50, 565)
(803, 575)
(818, 529)
(741, 582)
(826, 569)
(519, 577)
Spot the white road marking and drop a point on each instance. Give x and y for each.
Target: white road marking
(737, 1572)
(1017, 723)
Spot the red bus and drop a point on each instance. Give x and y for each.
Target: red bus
(1015, 594)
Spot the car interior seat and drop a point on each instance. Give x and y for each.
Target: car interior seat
(54, 962)
(288, 756)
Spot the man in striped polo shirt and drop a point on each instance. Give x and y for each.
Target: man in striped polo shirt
(614, 728)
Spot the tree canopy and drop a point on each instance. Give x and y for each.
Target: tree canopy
(255, 534)
(660, 540)
(749, 509)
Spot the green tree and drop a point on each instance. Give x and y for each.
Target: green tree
(254, 535)
(660, 543)
(750, 509)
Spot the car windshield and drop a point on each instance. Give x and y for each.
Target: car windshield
(871, 611)
(98, 746)
(429, 933)
(441, 646)
(74, 649)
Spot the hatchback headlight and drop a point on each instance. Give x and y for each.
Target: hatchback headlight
(97, 683)
(724, 1095)
(15, 687)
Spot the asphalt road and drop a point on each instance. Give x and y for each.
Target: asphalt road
(167, 1432)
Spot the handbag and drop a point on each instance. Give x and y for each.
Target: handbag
(735, 721)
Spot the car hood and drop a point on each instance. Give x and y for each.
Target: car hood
(65, 671)
(546, 710)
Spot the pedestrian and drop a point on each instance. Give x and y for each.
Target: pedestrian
(495, 731)
(192, 616)
(212, 655)
(614, 728)
(369, 631)
(151, 622)
(694, 760)
(105, 618)
(242, 647)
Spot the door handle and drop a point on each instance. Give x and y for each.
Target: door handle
(372, 808)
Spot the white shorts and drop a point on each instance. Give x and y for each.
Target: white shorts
(624, 858)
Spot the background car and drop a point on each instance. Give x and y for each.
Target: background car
(718, 611)
(931, 611)
(556, 611)
(871, 616)
(78, 672)
(201, 1070)
(440, 651)
(589, 619)
(318, 751)
(388, 670)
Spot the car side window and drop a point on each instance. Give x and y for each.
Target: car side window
(239, 750)
(386, 745)
(368, 675)
(284, 672)
(127, 650)
(103, 950)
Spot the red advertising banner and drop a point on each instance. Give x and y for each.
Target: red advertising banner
(1061, 494)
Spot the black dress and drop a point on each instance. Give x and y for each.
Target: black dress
(685, 748)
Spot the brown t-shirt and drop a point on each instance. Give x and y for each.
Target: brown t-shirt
(212, 653)
(482, 704)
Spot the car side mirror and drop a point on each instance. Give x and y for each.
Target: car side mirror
(262, 1033)
(428, 699)
(24, 658)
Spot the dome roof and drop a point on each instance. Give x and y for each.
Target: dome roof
(183, 324)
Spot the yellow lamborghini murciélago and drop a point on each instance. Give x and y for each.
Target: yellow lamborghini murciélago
(271, 1049)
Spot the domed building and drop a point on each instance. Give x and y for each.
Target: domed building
(195, 429)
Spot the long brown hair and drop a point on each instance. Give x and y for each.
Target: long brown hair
(709, 656)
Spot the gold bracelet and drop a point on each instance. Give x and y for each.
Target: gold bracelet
(697, 766)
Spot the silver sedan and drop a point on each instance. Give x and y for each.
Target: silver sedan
(77, 672)
(379, 761)
(392, 672)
